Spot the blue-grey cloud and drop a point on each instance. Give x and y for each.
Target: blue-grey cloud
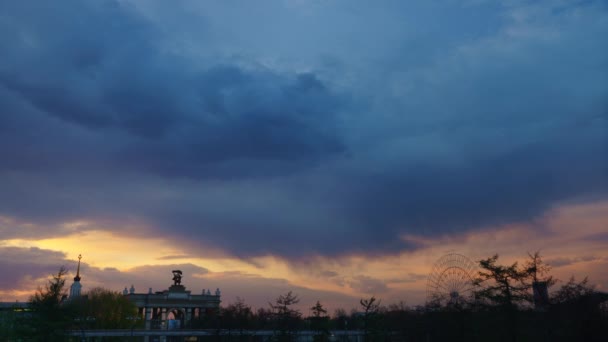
(176, 118)
(326, 128)
(22, 266)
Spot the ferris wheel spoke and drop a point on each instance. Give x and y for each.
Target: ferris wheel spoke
(440, 285)
(450, 278)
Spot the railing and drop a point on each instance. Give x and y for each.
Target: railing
(208, 332)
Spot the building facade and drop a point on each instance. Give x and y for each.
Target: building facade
(174, 308)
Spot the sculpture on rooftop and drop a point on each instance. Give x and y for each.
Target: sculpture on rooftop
(177, 277)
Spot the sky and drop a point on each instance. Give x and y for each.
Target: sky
(332, 148)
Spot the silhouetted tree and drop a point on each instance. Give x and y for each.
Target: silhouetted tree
(340, 319)
(320, 322)
(237, 316)
(287, 319)
(371, 308)
(578, 308)
(537, 269)
(104, 309)
(500, 285)
(537, 275)
(263, 319)
(49, 319)
(503, 287)
(318, 310)
(396, 317)
(573, 291)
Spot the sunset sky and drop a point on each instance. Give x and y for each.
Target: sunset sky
(335, 148)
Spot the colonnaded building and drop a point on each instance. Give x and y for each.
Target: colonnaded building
(175, 307)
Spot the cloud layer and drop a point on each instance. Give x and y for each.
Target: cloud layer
(298, 128)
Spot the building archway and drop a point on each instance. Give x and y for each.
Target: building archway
(174, 308)
(175, 319)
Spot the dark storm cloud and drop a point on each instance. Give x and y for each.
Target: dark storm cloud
(176, 118)
(513, 187)
(332, 138)
(271, 123)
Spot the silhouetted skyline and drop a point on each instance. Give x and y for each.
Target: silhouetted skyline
(332, 148)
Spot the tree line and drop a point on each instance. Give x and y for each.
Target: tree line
(49, 316)
(501, 307)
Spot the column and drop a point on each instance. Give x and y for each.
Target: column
(187, 317)
(148, 317)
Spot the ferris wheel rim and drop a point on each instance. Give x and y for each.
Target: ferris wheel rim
(450, 278)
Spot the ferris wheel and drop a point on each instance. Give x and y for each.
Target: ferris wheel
(451, 279)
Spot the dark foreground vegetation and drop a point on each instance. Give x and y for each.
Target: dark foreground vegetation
(501, 307)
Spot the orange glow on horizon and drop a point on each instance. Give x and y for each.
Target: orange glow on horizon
(561, 234)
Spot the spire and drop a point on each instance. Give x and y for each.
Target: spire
(77, 277)
(76, 286)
